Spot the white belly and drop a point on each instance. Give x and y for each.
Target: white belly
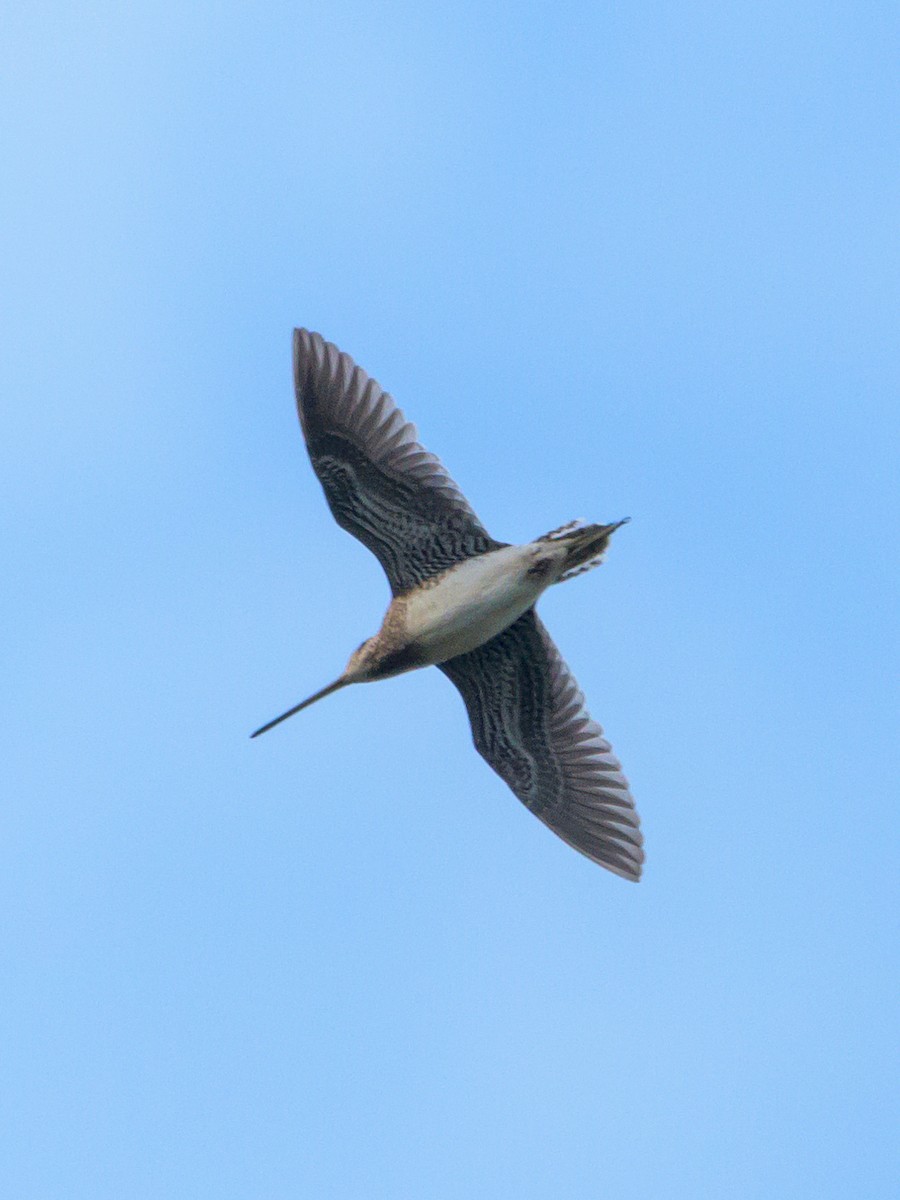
(471, 603)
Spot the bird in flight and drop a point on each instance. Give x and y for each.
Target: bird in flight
(465, 603)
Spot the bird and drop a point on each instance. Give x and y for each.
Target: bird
(465, 603)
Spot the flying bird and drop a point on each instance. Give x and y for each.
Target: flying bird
(465, 603)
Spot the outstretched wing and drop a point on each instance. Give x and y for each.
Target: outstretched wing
(529, 722)
(381, 485)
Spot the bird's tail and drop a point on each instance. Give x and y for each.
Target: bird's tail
(585, 545)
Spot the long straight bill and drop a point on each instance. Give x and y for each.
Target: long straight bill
(326, 691)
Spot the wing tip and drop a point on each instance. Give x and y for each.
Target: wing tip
(303, 341)
(628, 863)
(629, 874)
(304, 347)
(322, 378)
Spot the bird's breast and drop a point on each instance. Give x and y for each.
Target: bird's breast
(470, 603)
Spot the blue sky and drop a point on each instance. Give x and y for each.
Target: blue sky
(613, 260)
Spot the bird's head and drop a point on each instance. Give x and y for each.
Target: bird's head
(361, 662)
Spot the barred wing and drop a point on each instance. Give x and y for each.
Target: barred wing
(529, 722)
(381, 485)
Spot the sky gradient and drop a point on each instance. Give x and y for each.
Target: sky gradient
(614, 260)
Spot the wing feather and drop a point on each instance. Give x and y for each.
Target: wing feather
(530, 723)
(380, 483)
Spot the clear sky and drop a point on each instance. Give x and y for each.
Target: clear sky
(614, 260)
